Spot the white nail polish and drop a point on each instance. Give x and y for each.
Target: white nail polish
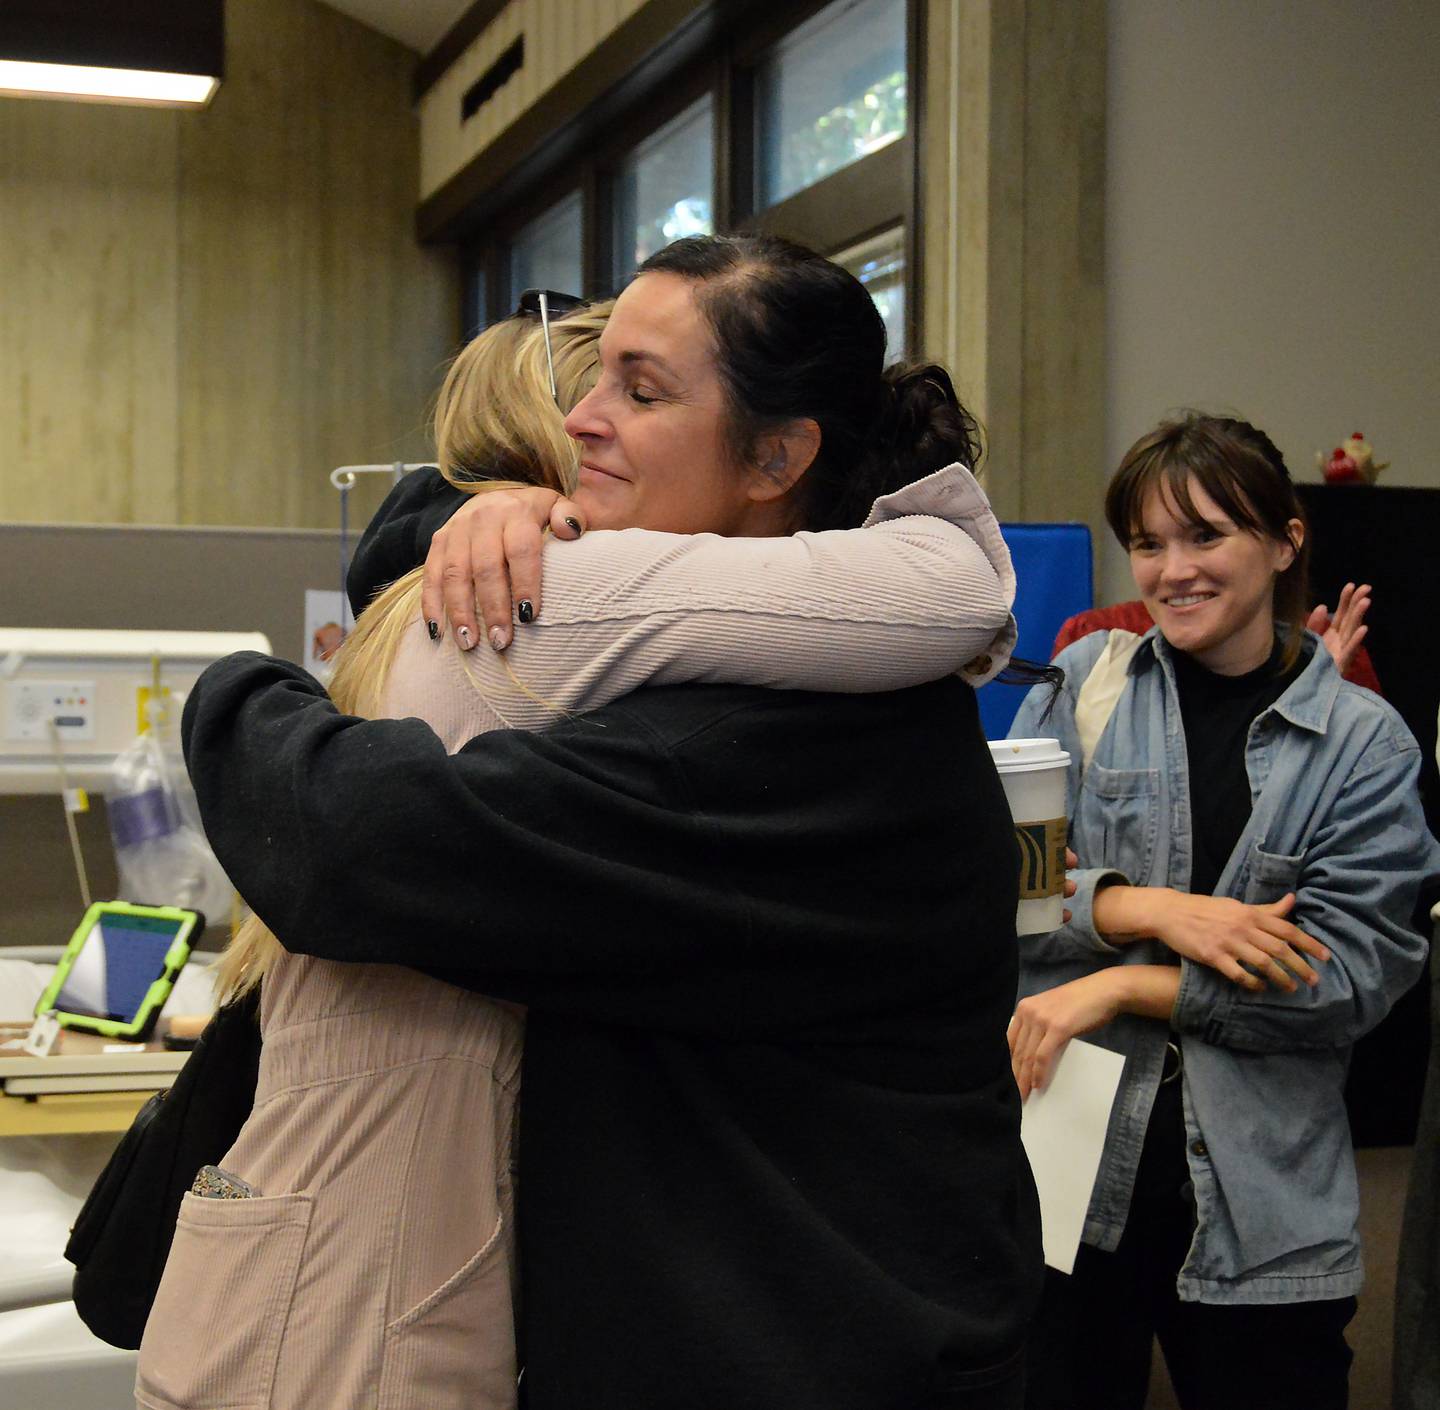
(464, 634)
(497, 638)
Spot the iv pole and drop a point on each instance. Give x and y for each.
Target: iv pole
(343, 477)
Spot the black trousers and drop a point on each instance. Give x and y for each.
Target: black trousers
(1091, 1343)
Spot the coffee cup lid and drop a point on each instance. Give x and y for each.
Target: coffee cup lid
(1022, 755)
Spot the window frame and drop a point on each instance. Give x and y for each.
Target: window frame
(862, 199)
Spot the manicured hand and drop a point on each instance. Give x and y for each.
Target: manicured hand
(488, 557)
(1044, 1023)
(1249, 945)
(1343, 633)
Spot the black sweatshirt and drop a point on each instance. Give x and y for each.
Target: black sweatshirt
(769, 1151)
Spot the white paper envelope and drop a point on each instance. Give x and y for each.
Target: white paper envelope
(1063, 1130)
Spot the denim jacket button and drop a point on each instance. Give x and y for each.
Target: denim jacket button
(1199, 1148)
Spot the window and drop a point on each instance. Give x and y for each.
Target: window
(831, 93)
(546, 254)
(665, 189)
(796, 124)
(879, 264)
(833, 156)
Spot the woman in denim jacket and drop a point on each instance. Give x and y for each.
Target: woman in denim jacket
(1251, 848)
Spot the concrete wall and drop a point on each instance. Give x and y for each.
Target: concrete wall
(1271, 243)
(201, 314)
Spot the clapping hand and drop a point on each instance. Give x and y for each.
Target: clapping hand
(1343, 632)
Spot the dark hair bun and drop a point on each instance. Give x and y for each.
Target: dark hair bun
(922, 420)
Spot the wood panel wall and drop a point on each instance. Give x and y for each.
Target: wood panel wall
(201, 314)
(1013, 201)
(558, 34)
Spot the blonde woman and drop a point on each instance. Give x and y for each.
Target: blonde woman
(367, 1254)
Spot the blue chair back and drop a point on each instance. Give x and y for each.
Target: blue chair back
(1054, 574)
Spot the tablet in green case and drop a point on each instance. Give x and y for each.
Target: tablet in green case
(119, 967)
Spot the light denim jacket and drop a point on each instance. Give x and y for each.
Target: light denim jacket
(1336, 818)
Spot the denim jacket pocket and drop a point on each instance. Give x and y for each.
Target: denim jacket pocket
(1270, 875)
(1119, 820)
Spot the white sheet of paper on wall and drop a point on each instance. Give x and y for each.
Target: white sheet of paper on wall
(1063, 1130)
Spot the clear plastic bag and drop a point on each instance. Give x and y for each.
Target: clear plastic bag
(160, 847)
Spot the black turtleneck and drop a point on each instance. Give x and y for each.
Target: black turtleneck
(1217, 712)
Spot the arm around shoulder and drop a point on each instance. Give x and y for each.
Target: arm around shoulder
(361, 840)
(902, 603)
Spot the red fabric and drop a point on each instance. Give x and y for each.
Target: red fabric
(1132, 617)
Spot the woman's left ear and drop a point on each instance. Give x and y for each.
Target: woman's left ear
(782, 457)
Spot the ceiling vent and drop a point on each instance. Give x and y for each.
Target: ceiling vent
(493, 80)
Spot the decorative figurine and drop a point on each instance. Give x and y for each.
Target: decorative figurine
(1352, 463)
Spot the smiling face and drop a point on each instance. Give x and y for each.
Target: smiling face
(652, 433)
(1210, 586)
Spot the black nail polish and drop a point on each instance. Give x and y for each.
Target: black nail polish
(433, 628)
(574, 523)
(526, 611)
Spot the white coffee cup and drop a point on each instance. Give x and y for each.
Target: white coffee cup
(1032, 772)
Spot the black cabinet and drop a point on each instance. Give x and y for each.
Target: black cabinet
(1389, 536)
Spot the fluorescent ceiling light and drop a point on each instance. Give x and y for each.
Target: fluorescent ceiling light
(77, 81)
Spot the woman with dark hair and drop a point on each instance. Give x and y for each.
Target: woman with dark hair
(769, 1149)
(789, 350)
(1252, 847)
